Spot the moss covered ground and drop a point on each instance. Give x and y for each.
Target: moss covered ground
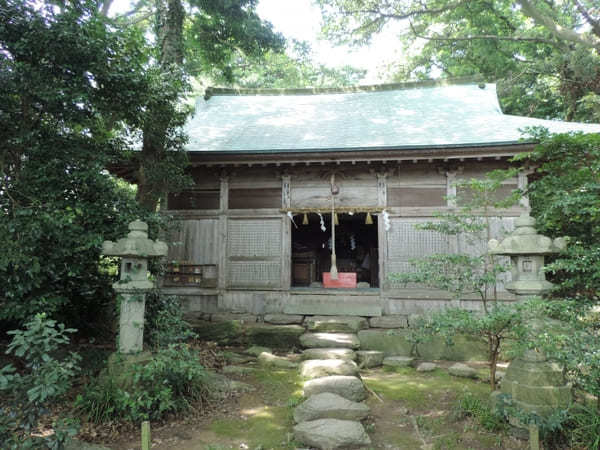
(410, 410)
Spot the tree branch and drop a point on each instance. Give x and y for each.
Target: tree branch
(405, 15)
(105, 7)
(557, 30)
(482, 37)
(595, 24)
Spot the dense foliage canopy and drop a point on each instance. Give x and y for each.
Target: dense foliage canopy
(79, 91)
(294, 68)
(543, 53)
(72, 88)
(565, 199)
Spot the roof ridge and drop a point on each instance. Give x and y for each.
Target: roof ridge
(212, 91)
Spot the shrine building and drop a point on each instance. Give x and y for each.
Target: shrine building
(274, 168)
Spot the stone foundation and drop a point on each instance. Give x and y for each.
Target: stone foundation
(387, 334)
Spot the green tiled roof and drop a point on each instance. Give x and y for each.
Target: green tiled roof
(387, 117)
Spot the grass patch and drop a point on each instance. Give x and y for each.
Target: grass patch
(417, 390)
(280, 386)
(450, 441)
(265, 427)
(433, 425)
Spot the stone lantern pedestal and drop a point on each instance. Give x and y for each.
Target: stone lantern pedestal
(135, 249)
(535, 384)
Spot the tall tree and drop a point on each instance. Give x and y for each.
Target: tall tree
(73, 88)
(295, 68)
(544, 53)
(191, 38)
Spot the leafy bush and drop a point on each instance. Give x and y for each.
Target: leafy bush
(44, 381)
(565, 200)
(173, 380)
(584, 427)
(164, 324)
(465, 273)
(66, 104)
(473, 406)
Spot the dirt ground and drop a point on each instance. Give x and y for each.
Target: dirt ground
(414, 411)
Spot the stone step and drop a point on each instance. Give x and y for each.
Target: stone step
(316, 368)
(349, 387)
(335, 324)
(398, 361)
(270, 360)
(329, 353)
(330, 406)
(327, 340)
(331, 434)
(426, 367)
(369, 358)
(462, 370)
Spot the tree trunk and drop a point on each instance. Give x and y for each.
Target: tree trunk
(494, 346)
(169, 32)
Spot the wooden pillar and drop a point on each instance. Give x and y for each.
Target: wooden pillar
(522, 185)
(453, 241)
(286, 239)
(382, 189)
(223, 207)
(451, 188)
(381, 233)
(286, 198)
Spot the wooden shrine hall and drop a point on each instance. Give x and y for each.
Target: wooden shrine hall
(285, 178)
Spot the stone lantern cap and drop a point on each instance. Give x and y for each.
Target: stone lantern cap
(136, 244)
(524, 240)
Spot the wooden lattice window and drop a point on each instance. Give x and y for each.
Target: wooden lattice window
(254, 253)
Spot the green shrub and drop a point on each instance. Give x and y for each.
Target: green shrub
(470, 405)
(172, 381)
(27, 395)
(164, 324)
(584, 427)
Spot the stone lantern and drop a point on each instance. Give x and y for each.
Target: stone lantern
(134, 250)
(526, 250)
(535, 384)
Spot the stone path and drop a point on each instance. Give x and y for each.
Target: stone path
(330, 416)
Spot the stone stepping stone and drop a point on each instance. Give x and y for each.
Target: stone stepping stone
(398, 361)
(283, 319)
(270, 360)
(369, 358)
(256, 350)
(462, 370)
(330, 434)
(316, 368)
(349, 387)
(335, 324)
(389, 322)
(426, 367)
(329, 340)
(329, 353)
(330, 406)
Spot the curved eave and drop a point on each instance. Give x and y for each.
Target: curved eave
(395, 153)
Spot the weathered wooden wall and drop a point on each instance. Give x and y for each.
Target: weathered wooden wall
(312, 188)
(196, 241)
(249, 237)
